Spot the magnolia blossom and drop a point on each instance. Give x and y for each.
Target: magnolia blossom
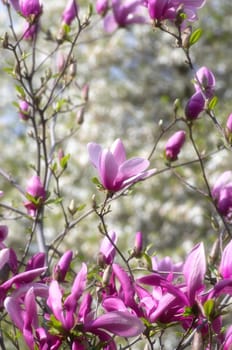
(37, 195)
(169, 9)
(222, 194)
(205, 81)
(195, 106)
(174, 145)
(102, 6)
(124, 13)
(115, 171)
(24, 109)
(70, 12)
(30, 8)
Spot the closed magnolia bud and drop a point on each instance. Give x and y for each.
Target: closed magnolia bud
(185, 36)
(138, 245)
(174, 145)
(102, 7)
(24, 110)
(70, 12)
(205, 81)
(194, 106)
(80, 115)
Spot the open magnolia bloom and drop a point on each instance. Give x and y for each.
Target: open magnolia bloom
(115, 171)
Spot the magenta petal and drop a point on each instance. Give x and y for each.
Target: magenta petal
(94, 153)
(224, 180)
(118, 322)
(194, 271)
(110, 25)
(114, 304)
(132, 167)
(108, 170)
(225, 267)
(55, 301)
(118, 151)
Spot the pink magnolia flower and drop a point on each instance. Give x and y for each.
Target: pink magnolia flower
(30, 8)
(37, 195)
(75, 310)
(174, 145)
(115, 171)
(168, 9)
(222, 194)
(70, 12)
(205, 81)
(102, 6)
(63, 265)
(195, 106)
(124, 13)
(24, 109)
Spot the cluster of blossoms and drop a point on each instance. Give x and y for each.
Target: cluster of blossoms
(31, 10)
(122, 13)
(128, 306)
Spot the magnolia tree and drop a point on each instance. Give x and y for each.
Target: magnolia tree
(129, 298)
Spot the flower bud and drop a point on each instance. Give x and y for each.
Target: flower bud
(102, 7)
(35, 190)
(24, 109)
(70, 12)
(174, 145)
(30, 8)
(138, 245)
(194, 106)
(62, 267)
(85, 92)
(205, 81)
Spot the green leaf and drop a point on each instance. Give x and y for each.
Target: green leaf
(20, 91)
(209, 307)
(212, 103)
(195, 36)
(64, 161)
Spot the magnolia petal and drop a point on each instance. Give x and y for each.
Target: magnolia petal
(108, 169)
(225, 267)
(118, 151)
(194, 270)
(94, 151)
(132, 167)
(118, 322)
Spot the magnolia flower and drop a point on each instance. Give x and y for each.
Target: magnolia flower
(205, 81)
(124, 13)
(169, 9)
(63, 265)
(115, 171)
(70, 12)
(222, 194)
(23, 109)
(195, 106)
(102, 6)
(36, 194)
(174, 145)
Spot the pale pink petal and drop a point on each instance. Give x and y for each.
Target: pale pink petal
(118, 150)
(94, 153)
(108, 170)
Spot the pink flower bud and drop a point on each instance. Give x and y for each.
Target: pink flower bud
(102, 7)
(85, 92)
(36, 190)
(30, 8)
(174, 145)
(138, 244)
(205, 81)
(24, 109)
(194, 106)
(62, 267)
(70, 12)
